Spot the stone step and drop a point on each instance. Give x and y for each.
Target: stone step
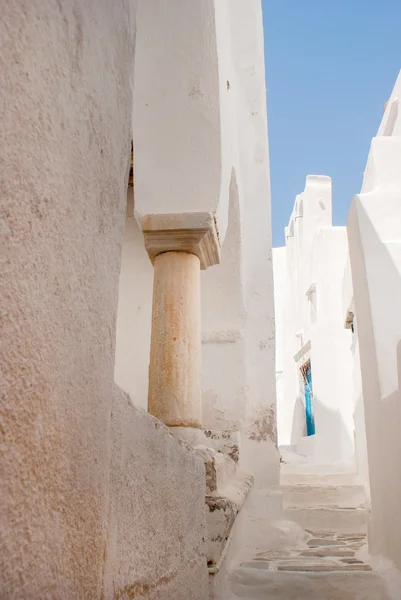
(290, 478)
(221, 440)
(221, 511)
(250, 583)
(219, 469)
(324, 495)
(346, 520)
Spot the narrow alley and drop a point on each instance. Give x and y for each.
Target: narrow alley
(198, 401)
(317, 551)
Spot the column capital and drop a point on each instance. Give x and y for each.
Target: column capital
(194, 233)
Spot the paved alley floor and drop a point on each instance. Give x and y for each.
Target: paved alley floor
(317, 550)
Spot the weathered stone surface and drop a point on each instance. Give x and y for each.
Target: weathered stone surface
(221, 512)
(175, 348)
(352, 561)
(222, 440)
(324, 542)
(219, 469)
(98, 499)
(329, 551)
(156, 528)
(191, 233)
(256, 564)
(273, 554)
(321, 534)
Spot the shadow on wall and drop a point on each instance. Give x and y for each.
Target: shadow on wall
(360, 443)
(134, 315)
(298, 428)
(223, 347)
(331, 443)
(379, 305)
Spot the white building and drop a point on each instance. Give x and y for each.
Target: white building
(314, 364)
(374, 232)
(237, 310)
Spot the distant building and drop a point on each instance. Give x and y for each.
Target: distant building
(313, 362)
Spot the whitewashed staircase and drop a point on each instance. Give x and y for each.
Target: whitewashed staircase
(330, 562)
(332, 502)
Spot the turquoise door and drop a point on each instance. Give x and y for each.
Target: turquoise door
(310, 421)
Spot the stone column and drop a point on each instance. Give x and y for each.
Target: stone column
(179, 245)
(175, 353)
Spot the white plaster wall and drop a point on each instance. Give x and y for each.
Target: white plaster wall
(309, 286)
(350, 321)
(374, 230)
(223, 316)
(361, 451)
(98, 499)
(237, 295)
(180, 110)
(294, 419)
(330, 356)
(284, 409)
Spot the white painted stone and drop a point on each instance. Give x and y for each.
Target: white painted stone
(303, 495)
(281, 560)
(294, 586)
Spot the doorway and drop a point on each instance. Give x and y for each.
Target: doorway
(306, 371)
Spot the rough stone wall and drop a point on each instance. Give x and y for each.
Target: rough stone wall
(155, 544)
(91, 488)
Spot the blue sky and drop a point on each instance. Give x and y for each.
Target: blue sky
(330, 67)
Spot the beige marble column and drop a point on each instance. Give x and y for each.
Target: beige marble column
(175, 353)
(179, 245)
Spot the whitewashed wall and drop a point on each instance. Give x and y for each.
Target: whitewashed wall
(351, 324)
(238, 294)
(226, 123)
(374, 231)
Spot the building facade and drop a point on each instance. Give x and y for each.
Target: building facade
(374, 233)
(313, 364)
